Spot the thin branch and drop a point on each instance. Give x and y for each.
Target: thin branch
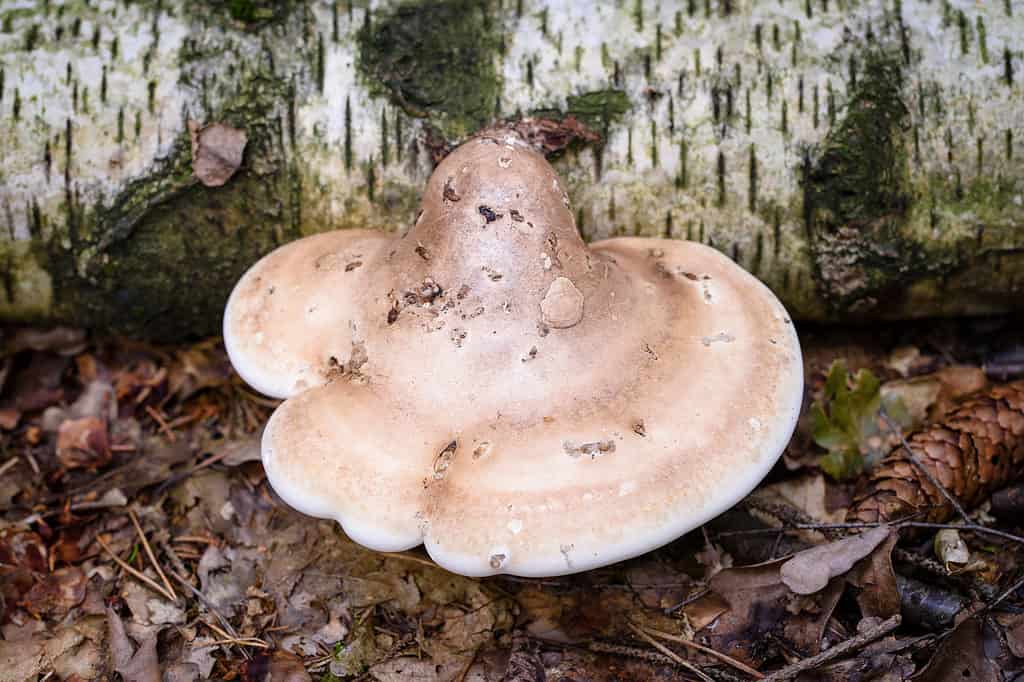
(692, 598)
(705, 650)
(231, 641)
(161, 423)
(970, 526)
(870, 635)
(9, 464)
(230, 631)
(671, 654)
(138, 574)
(152, 557)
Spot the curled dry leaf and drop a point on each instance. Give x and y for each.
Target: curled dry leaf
(22, 548)
(216, 152)
(201, 366)
(950, 548)
(83, 443)
(811, 570)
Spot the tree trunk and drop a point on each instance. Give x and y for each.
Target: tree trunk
(864, 158)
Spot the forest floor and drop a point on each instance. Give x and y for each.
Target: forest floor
(140, 539)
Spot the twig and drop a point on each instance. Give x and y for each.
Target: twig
(870, 635)
(207, 603)
(138, 574)
(408, 556)
(785, 513)
(8, 465)
(973, 611)
(706, 650)
(970, 526)
(198, 539)
(689, 600)
(152, 557)
(671, 654)
(244, 641)
(912, 456)
(631, 651)
(230, 631)
(172, 555)
(162, 423)
(177, 478)
(469, 664)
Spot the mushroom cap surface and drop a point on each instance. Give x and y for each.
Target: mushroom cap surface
(491, 387)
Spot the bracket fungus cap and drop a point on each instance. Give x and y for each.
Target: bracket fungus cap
(491, 387)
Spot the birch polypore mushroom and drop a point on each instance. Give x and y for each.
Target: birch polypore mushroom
(490, 386)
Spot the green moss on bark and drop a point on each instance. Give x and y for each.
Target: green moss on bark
(600, 108)
(436, 60)
(860, 176)
(857, 197)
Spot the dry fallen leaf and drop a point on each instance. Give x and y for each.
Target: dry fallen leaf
(928, 396)
(808, 494)
(810, 571)
(965, 655)
(275, 666)
(759, 604)
(216, 152)
(83, 443)
(57, 593)
(135, 665)
(879, 595)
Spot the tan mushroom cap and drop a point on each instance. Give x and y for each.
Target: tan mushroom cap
(489, 386)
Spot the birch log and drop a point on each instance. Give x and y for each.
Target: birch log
(863, 157)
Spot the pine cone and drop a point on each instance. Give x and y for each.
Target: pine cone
(975, 450)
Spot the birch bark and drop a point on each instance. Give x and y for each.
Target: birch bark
(863, 157)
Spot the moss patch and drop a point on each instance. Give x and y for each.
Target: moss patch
(256, 11)
(598, 109)
(436, 60)
(26, 290)
(860, 177)
(857, 196)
